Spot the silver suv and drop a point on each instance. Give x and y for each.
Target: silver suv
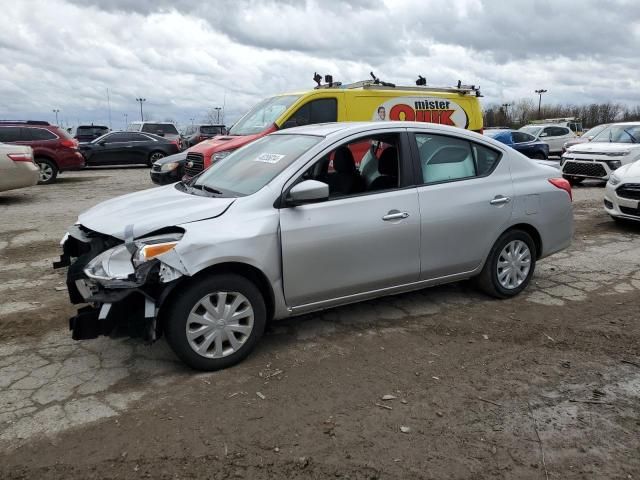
(306, 219)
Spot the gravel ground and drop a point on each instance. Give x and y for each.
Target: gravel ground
(441, 383)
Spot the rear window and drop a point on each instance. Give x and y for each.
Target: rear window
(93, 131)
(159, 127)
(211, 130)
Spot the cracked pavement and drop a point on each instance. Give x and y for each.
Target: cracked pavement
(554, 345)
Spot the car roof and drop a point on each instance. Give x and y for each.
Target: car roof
(625, 123)
(346, 128)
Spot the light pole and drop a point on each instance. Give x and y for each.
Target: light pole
(191, 121)
(217, 109)
(506, 106)
(126, 123)
(56, 111)
(540, 92)
(140, 100)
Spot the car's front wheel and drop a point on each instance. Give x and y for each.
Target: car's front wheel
(48, 171)
(510, 265)
(216, 321)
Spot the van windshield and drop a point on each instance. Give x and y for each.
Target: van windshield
(262, 115)
(251, 167)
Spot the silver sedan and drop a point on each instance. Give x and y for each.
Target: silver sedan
(307, 219)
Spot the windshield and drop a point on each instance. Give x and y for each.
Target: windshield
(619, 134)
(592, 132)
(262, 115)
(211, 130)
(531, 130)
(250, 168)
(160, 127)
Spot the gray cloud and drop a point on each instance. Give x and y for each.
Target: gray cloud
(186, 56)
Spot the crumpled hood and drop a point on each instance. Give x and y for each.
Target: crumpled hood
(151, 210)
(604, 147)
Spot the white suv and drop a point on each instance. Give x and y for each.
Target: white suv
(609, 150)
(553, 135)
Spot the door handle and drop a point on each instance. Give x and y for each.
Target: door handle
(395, 215)
(500, 200)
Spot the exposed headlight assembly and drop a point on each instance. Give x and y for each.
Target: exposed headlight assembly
(119, 264)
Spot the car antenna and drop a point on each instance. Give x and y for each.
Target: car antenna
(421, 81)
(377, 81)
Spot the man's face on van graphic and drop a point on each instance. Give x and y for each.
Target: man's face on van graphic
(382, 113)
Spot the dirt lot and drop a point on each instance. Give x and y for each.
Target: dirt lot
(546, 385)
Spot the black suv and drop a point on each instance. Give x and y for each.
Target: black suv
(195, 134)
(87, 133)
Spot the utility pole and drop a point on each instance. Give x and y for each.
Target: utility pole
(109, 108)
(56, 111)
(217, 109)
(140, 100)
(540, 92)
(191, 121)
(126, 124)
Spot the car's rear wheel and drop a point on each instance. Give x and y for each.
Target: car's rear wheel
(573, 180)
(216, 321)
(509, 266)
(155, 156)
(539, 156)
(48, 171)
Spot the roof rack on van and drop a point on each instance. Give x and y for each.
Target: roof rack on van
(377, 84)
(26, 122)
(556, 120)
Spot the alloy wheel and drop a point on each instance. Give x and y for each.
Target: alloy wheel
(514, 264)
(219, 324)
(46, 172)
(156, 156)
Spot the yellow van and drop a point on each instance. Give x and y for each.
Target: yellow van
(368, 100)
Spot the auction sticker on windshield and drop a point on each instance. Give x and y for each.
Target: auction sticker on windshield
(269, 157)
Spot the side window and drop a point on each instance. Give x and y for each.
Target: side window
(39, 134)
(486, 159)
(118, 137)
(521, 137)
(548, 131)
(316, 111)
(444, 158)
(10, 134)
(556, 131)
(364, 165)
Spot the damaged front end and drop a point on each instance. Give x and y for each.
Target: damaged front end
(124, 283)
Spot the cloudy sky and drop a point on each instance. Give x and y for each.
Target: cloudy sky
(188, 56)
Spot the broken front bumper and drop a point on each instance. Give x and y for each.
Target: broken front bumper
(126, 304)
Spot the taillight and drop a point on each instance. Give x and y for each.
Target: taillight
(562, 184)
(69, 143)
(21, 157)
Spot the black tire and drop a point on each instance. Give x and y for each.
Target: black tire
(488, 281)
(175, 319)
(153, 156)
(48, 171)
(625, 222)
(539, 156)
(573, 180)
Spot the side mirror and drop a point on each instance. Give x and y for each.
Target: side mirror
(309, 191)
(102, 143)
(543, 135)
(589, 138)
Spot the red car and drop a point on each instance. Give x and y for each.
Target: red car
(53, 149)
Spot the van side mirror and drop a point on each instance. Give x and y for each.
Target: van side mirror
(309, 191)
